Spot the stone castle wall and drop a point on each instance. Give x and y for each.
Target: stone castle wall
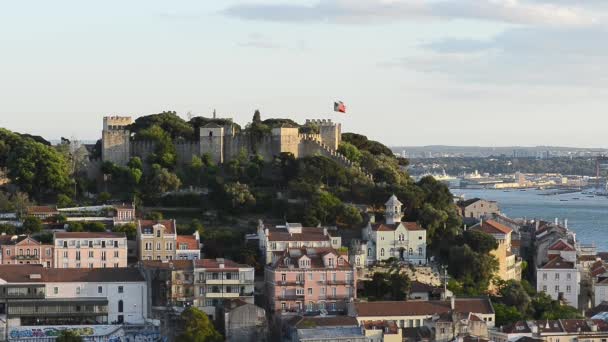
(223, 145)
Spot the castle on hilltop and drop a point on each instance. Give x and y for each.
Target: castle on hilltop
(224, 142)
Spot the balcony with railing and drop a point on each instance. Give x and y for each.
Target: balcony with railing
(27, 257)
(337, 282)
(290, 296)
(23, 292)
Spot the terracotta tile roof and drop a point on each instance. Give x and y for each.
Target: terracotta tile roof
(214, 264)
(337, 321)
(21, 274)
(384, 227)
(519, 327)
(308, 234)
(412, 226)
(189, 240)
(42, 209)
(315, 254)
(561, 245)
(89, 235)
(492, 227)
(168, 224)
(423, 308)
(558, 263)
(168, 264)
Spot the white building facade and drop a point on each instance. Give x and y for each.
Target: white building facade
(560, 279)
(71, 297)
(405, 241)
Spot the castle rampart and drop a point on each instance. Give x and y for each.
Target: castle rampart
(223, 143)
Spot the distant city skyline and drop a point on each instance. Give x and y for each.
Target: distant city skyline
(411, 72)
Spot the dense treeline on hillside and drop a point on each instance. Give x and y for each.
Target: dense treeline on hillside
(313, 190)
(505, 165)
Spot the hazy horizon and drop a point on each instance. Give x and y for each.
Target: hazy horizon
(411, 72)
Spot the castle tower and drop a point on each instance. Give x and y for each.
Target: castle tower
(392, 212)
(330, 132)
(211, 141)
(115, 138)
(286, 139)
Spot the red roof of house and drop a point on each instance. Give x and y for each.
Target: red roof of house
(385, 227)
(189, 240)
(492, 227)
(42, 209)
(561, 245)
(307, 234)
(168, 224)
(558, 263)
(423, 308)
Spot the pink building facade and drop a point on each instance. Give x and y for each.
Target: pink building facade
(310, 280)
(90, 250)
(25, 250)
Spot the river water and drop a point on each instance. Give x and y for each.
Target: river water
(587, 216)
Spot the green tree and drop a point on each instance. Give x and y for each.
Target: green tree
(64, 201)
(198, 327)
(257, 117)
(506, 314)
(68, 336)
(129, 229)
(350, 151)
(75, 227)
(103, 197)
(238, 195)
(480, 242)
(163, 180)
(31, 225)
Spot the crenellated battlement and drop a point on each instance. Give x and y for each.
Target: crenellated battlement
(223, 143)
(116, 122)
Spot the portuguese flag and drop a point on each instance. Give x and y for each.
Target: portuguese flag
(339, 107)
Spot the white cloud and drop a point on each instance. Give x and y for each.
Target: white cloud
(526, 56)
(379, 11)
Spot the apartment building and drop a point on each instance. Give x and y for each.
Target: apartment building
(219, 280)
(560, 279)
(23, 249)
(90, 250)
(509, 264)
(204, 283)
(478, 208)
(308, 280)
(156, 240)
(415, 313)
(394, 238)
(33, 298)
(188, 247)
(553, 330)
(274, 240)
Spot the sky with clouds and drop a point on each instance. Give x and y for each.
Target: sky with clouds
(411, 72)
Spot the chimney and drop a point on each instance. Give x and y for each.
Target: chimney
(453, 302)
(566, 223)
(537, 224)
(556, 221)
